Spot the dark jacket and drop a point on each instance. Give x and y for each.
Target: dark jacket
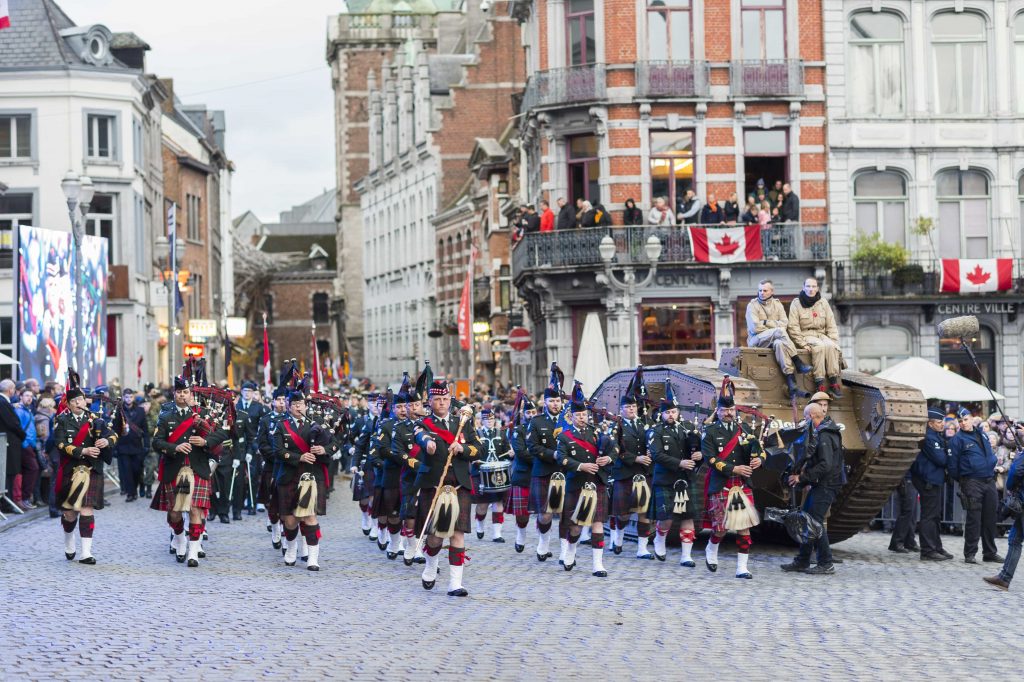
(571, 454)
(634, 444)
(748, 218)
(429, 473)
(136, 440)
(540, 439)
(597, 217)
(198, 459)
(712, 216)
(932, 458)
(522, 464)
(716, 438)
(255, 413)
(566, 219)
(669, 446)
(790, 210)
(632, 216)
(971, 455)
(380, 453)
(406, 453)
(10, 423)
(531, 222)
(66, 428)
(288, 450)
(823, 466)
(731, 211)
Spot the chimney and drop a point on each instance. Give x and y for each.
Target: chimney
(168, 104)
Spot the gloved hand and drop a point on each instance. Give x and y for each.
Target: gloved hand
(336, 456)
(235, 463)
(213, 464)
(351, 449)
(248, 458)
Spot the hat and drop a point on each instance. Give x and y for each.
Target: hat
(73, 389)
(487, 410)
(820, 395)
(180, 384)
(963, 412)
(248, 384)
(935, 413)
(529, 405)
(627, 399)
(439, 388)
(554, 388)
(668, 402)
(402, 397)
(636, 391)
(726, 396)
(294, 396)
(577, 406)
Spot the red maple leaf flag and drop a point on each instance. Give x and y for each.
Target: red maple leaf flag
(976, 275)
(5, 14)
(732, 244)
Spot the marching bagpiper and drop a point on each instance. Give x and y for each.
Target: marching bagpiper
(387, 505)
(360, 466)
(546, 496)
(631, 469)
(408, 452)
(518, 503)
(267, 495)
(85, 444)
(494, 448)
(733, 453)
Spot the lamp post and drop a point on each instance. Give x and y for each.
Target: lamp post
(652, 249)
(166, 254)
(78, 190)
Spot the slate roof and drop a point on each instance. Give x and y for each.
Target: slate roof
(34, 41)
(319, 209)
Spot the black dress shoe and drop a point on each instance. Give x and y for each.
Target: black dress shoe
(88, 561)
(276, 545)
(479, 536)
(312, 568)
(795, 567)
(970, 560)
(569, 567)
(944, 553)
(461, 592)
(500, 541)
(934, 556)
(913, 548)
(223, 518)
(201, 554)
(428, 584)
(304, 559)
(392, 556)
(543, 557)
(600, 574)
(821, 570)
(520, 548)
(283, 551)
(180, 558)
(406, 560)
(366, 531)
(270, 528)
(993, 558)
(660, 557)
(899, 549)
(744, 576)
(71, 556)
(237, 516)
(711, 567)
(419, 560)
(688, 564)
(617, 549)
(192, 563)
(289, 563)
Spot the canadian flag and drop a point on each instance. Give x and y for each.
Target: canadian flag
(5, 14)
(976, 275)
(737, 244)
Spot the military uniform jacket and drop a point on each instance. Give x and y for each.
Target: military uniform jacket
(583, 446)
(173, 423)
(71, 434)
(540, 439)
(493, 445)
(429, 473)
(291, 440)
(269, 424)
(522, 464)
(634, 444)
(242, 436)
(669, 446)
(405, 451)
(717, 436)
(380, 445)
(253, 416)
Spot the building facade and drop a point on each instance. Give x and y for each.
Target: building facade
(925, 117)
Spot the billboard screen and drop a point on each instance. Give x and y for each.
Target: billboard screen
(46, 312)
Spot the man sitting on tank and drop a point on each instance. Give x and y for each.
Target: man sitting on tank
(766, 328)
(813, 326)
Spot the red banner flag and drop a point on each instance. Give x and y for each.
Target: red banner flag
(266, 359)
(976, 275)
(465, 317)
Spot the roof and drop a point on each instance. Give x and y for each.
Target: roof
(126, 40)
(936, 382)
(401, 6)
(320, 209)
(445, 71)
(301, 245)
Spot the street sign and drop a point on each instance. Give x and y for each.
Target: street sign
(520, 357)
(236, 326)
(519, 338)
(202, 329)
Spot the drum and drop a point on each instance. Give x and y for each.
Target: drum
(494, 476)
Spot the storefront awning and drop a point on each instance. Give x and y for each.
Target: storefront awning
(6, 359)
(937, 382)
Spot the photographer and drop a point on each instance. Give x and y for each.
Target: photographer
(1014, 485)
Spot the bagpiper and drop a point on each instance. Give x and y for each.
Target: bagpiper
(267, 495)
(733, 453)
(85, 444)
(494, 448)
(406, 450)
(518, 503)
(359, 464)
(631, 469)
(546, 498)
(386, 499)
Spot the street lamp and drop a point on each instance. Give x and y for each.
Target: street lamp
(78, 190)
(652, 249)
(165, 254)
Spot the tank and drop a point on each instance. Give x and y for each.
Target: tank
(881, 423)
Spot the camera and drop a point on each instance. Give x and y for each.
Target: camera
(485, 6)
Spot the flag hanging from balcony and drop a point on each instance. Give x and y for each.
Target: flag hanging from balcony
(976, 275)
(465, 319)
(5, 14)
(734, 244)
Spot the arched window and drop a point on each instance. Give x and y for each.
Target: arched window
(959, 63)
(963, 198)
(880, 205)
(876, 64)
(879, 347)
(1018, 58)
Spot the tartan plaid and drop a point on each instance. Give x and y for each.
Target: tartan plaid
(288, 497)
(572, 497)
(94, 495)
(539, 494)
(423, 508)
(202, 491)
(663, 500)
(267, 493)
(714, 511)
(410, 504)
(387, 502)
(518, 501)
(362, 485)
(622, 493)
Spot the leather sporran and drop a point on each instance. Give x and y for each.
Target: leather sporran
(681, 498)
(447, 515)
(184, 484)
(556, 493)
(80, 479)
(307, 496)
(583, 515)
(640, 497)
(740, 514)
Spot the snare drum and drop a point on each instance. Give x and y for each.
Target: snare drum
(494, 476)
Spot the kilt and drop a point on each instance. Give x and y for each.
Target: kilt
(288, 497)
(267, 492)
(517, 501)
(663, 499)
(163, 499)
(622, 493)
(94, 495)
(714, 512)
(600, 508)
(423, 508)
(410, 504)
(386, 502)
(539, 494)
(488, 498)
(362, 485)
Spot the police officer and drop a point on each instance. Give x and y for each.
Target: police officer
(1014, 483)
(928, 474)
(973, 464)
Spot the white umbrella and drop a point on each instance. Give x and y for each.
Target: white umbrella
(592, 362)
(937, 382)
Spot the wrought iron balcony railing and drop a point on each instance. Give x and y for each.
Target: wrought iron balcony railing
(916, 278)
(767, 78)
(571, 85)
(673, 79)
(579, 248)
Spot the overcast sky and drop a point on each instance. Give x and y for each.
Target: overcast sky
(279, 132)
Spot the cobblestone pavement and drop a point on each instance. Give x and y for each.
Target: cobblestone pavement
(244, 615)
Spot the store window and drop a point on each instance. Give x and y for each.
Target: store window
(672, 332)
(959, 63)
(963, 214)
(879, 348)
(584, 169)
(669, 25)
(880, 205)
(671, 166)
(876, 64)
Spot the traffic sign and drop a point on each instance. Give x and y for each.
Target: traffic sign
(519, 338)
(520, 358)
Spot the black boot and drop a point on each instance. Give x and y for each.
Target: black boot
(835, 388)
(794, 390)
(801, 366)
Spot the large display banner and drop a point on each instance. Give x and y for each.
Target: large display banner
(46, 311)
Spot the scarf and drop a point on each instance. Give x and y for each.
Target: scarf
(764, 301)
(808, 301)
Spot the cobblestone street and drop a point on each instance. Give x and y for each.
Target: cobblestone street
(244, 615)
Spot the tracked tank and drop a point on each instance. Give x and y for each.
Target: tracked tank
(881, 422)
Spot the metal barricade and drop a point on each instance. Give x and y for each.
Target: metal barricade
(953, 515)
(3, 477)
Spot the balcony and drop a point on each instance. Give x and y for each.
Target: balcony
(571, 249)
(767, 78)
(916, 278)
(564, 87)
(673, 79)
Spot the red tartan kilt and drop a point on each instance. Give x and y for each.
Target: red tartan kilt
(622, 495)
(94, 495)
(715, 505)
(387, 502)
(202, 492)
(267, 493)
(572, 497)
(427, 496)
(288, 497)
(518, 501)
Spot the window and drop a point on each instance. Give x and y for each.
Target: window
(268, 308)
(960, 68)
(879, 348)
(137, 142)
(15, 210)
(668, 30)
(99, 221)
(16, 137)
(6, 345)
(763, 29)
(880, 205)
(193, 208)
(1018, 58)
(876, 64)
(584, 168)
(963, 214)
(100, 136)
(139, 249)
(505, 288)
(321, 311)
(581, 33)
(671, 166)
(112, 336)
(671, 332)
(195, 296)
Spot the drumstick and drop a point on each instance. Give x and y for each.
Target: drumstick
(463, 418)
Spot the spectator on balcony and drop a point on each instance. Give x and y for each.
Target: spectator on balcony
(766, 328)
(731, 208)
(632, 215)
(789, 210)
(775, 193)
(688, 211)
(547, 217)
(531, 219)
(580, 211)
(813, 326)
(661, 215)
(566, 219)
(595, 216)
(764, 216)
(749, 216)
(712, 213)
